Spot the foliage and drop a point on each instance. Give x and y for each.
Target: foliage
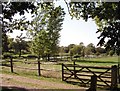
(5, 43)
(20, 44)
(111, 52)
(100, 50)
(39, 43)
(81, 50)
(108, 23)
(90, 49)
(45, 30)
(9, 24)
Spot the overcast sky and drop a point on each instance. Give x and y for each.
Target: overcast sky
(74, 31)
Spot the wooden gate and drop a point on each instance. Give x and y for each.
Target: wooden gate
(106, 76)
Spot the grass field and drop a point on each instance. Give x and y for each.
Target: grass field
(52, 70)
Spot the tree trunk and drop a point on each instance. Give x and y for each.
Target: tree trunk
(39, 71)
(20, 53)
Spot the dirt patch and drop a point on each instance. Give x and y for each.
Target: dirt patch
(28, 83)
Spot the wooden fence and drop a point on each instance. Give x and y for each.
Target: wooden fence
(85, 75)
(30, 67)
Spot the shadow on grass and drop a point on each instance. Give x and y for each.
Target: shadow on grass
(87, 86)
(12, 88)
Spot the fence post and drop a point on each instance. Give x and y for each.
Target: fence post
(114, 77)
(11, 64)
(39, 68)
(118, 73)
(93, 84)
(62, 73)
(74, 69)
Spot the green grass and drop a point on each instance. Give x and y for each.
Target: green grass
(103, 61)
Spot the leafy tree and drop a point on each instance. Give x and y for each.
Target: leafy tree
(82, 49)
(20, 44)
(9, 24)
(66, 49)
(38, 43)
(71, 53)
(46, 27)
(90, 49)
(108, 23)
(111, 52)
(71, 46)
(100, 50)
(5, 43)
(53, 28)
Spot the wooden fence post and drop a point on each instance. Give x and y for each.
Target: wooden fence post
(74, 69)
(93, 84)
(39, 68)
(118, 73)
(114, 77)
(11, 64)
(62, 73)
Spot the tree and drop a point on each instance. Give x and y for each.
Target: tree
(38, 43)
(100, 50)
(8, 23)
(90, 49)
(111, 52)
(20, 44)
(108, 23)
(53, 28)
(82, 49)
(71, 46)
(46, 27)
(5, 43)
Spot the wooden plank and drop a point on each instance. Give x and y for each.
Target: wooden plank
(102, 85)
(104, 81)
(62, 72)
(85, 70)
(11, 64)
(89, 75)
(95, 72)
(96, 67)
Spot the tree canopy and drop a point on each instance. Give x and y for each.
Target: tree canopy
(45, 30)
(105, 14)
(107, 18)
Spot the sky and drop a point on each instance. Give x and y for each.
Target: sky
(73, 31)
